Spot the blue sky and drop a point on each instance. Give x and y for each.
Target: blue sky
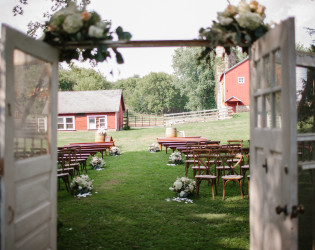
(162, 19)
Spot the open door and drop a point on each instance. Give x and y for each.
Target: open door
(273, 193)
(28, 95)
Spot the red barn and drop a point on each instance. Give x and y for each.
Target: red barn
(90, 110)
(235, 86)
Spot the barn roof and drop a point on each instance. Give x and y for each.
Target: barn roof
(89, 101)
(233, 99)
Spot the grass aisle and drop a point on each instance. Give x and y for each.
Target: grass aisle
(130, 211)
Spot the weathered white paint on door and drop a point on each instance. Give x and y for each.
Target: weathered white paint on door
(273, 140)
(29, 82)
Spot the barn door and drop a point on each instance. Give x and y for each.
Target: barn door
(29, 82)
(273, 140)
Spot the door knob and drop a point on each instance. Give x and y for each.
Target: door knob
(296, 210)
(283, 209)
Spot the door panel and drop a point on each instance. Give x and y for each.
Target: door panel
(273, 139)
(29, 82)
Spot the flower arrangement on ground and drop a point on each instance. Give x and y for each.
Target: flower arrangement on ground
(81, 184)
(101, 131)
(238, 25)
(154, 147)
(183, 186)
(175, 158)
(114, 151)
(74, 24)
(97, 163)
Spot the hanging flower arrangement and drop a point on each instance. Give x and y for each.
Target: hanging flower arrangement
(238, 25)
(72, 24)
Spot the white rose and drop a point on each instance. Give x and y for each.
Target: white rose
(80, 187)
(250, 20)
(102, 25)
(182, 193)
(225, 20)
(72, 23)
(243, 7)
(178, 185)
(191, 187)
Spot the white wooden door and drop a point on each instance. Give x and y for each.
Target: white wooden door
(29, 83)
(273, 140)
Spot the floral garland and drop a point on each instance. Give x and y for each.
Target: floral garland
(175, 158)
(183, 186)
(72, 24)
(97, 163)
(238, 25)
(81, 184)
(154, 148)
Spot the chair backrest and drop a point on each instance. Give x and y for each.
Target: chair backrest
(197, 152)
(209, 161)
(235, 141)
(230, 162)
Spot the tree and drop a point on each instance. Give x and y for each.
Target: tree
(196, 81)
(155, 93)
(128, 86)
(80, 79)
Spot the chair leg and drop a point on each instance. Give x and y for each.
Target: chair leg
(212, 184)
(224, 185)
(241, 187)
(186, 168)
(197, 186)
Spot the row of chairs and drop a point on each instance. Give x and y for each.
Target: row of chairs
(214, 162)
(71, 161)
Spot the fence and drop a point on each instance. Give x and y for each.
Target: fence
(198, 116)
(177, 118)
(143, 120)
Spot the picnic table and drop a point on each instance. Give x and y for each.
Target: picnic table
(92, 147)
(174, 142)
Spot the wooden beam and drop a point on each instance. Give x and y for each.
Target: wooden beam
(137, 44)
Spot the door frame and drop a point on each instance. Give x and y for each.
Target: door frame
(13, 39)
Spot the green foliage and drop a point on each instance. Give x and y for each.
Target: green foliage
(196, 81)
(80, 79)
(153, 93)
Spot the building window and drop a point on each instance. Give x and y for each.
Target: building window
(96, 122)
(241, 79)
(66, 123)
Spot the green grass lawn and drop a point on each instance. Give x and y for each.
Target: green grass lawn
(128, 208)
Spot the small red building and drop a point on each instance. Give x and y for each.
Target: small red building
(90, 110)
(235, 86)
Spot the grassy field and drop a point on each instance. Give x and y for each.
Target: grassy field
(129, 207)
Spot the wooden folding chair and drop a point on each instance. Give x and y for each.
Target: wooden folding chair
(232, 172)
(208, 164)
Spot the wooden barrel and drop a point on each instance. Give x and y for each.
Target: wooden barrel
(99, 137)
(170, 132)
